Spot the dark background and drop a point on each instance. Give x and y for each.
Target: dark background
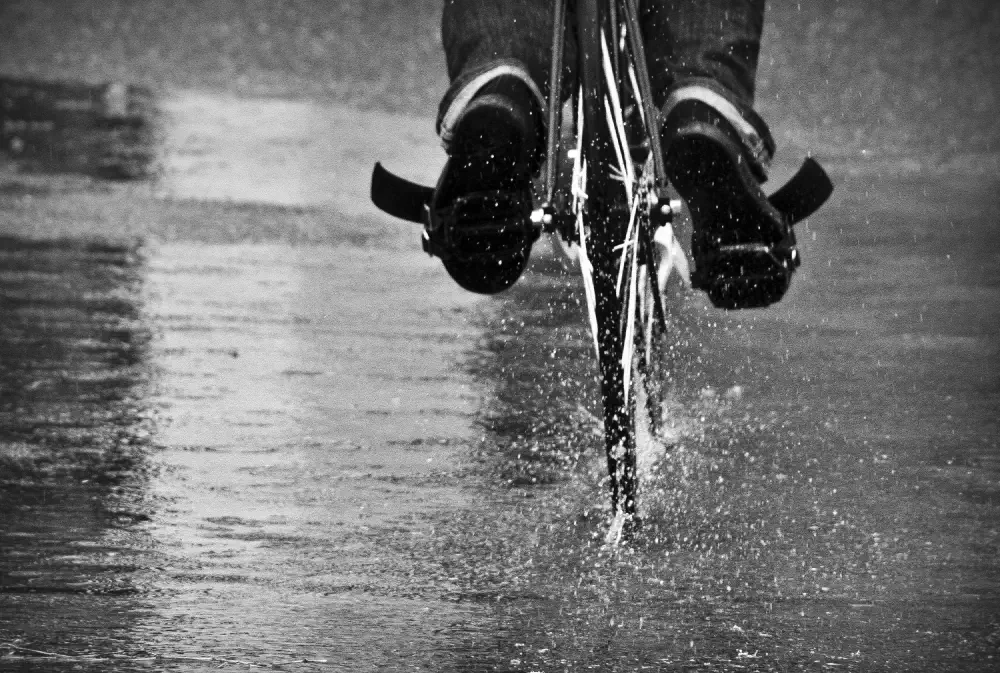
(900, 77)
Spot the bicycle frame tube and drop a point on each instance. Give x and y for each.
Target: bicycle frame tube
(555, 96)
(650, 112)
(591, 76)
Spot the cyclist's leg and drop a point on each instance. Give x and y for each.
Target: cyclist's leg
(703, 62)
(487, 39)
(491, 122)
(708, 50)
(717, 40)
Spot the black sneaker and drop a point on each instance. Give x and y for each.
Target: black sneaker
(743, 247)
(481, 210)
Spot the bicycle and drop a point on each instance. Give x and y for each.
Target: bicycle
(615, 212)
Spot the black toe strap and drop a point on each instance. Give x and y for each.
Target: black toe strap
(802, 196)
(400, 197)
(799, 198)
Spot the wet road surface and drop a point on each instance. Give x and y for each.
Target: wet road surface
(311, 452)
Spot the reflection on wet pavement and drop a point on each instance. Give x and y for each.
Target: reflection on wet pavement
(297, 412)
(288, 377)
(312, 403)
(75, 429)
(294, 153)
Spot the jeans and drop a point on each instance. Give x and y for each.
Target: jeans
(717, 40)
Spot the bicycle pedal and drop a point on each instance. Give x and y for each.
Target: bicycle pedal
(481, 225)
(746, 275)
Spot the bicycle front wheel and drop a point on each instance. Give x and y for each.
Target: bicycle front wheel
(626, 246)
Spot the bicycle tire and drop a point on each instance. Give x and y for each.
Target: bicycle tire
(630, 314)
(602, 221)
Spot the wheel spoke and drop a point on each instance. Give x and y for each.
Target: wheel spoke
(578, 188)
(629, 344)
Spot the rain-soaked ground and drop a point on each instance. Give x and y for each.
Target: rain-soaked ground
(245, 423)
(322, 456)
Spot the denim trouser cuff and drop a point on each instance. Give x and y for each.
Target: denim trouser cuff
(752, 130)
(467, 85)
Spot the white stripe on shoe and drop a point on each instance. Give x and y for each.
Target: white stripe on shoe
(750, 136)
(469, 91)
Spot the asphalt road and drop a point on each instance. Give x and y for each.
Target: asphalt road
(253, 437)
